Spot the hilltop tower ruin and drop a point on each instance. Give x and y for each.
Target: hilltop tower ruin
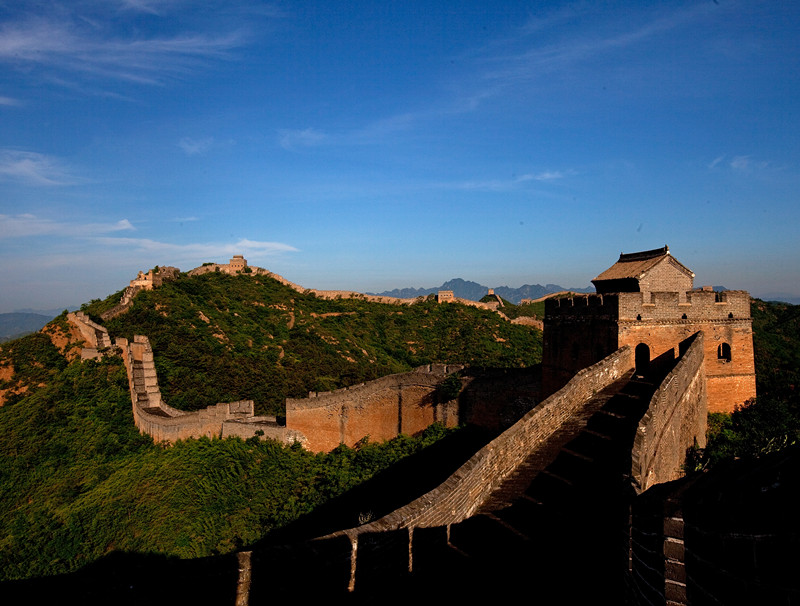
(647, 300)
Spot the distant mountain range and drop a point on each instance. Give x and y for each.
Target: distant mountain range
(472, 291)
(18, 324)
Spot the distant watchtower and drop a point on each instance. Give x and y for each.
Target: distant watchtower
(647, 300)
(237, 263)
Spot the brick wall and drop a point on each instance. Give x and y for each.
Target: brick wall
(666, 276)
(674, 421)
(382, 409)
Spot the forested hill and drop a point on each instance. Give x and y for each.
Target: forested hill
(220, 338)
(776, 339)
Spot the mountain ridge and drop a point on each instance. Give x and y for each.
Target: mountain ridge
(473, 291)
(18, 324)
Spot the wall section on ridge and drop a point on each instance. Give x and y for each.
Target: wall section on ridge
(404, 403)
(163, 423)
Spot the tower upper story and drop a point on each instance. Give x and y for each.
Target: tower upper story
(647, 271)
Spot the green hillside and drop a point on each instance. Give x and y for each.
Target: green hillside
(220, 338)
(78, 481)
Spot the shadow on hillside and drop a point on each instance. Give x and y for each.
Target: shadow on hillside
(138, 578)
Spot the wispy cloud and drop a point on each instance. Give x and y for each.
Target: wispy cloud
(9, 102)
(539, 60)
(747, 163)
(33, 168)
(20, 226)
(198, 252)
(195, 147)
(92, 48)
(742, 164)
(154, 7)
(512, 183)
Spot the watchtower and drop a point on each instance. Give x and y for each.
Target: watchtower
(647, 300)
(237, 263)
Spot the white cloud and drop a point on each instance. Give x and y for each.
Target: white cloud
(25, 225)
(740, 162)
(548, 175)
(33, 168)
(294, 139)
(194, 147)
(9, 102)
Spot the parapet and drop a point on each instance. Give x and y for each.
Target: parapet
(697, 306)
(694, 306)
(428, 375)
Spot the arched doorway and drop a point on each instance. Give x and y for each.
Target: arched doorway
(642, 359)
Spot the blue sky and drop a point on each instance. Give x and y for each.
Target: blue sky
(373, 145)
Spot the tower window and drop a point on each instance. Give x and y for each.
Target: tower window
(642, 358)
(724, 352)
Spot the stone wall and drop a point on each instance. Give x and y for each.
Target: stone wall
(95, 336)
(148, 281)
(155, 418)
(674, 421)
(381, 409)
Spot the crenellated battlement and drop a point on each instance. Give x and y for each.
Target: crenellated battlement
(692, 306)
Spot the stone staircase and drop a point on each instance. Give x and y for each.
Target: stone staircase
(563, 514)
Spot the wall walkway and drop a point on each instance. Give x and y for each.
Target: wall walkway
(547, 498)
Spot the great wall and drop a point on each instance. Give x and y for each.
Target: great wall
(585, 493)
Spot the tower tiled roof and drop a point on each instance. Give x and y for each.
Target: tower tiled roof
(635, 265)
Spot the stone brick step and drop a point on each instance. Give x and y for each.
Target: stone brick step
(550, 489)
(573, 467)
(485, 533)
(613, 425)
(591, 444)
(525, 516)
(639, 388)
